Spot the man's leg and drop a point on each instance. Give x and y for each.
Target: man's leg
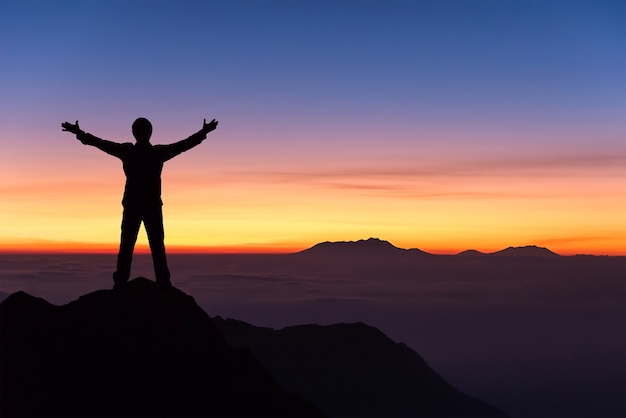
(131, 220)
(153, 222)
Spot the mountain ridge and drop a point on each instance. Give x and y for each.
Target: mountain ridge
(146, 351)
(377, 246)
(375, 375)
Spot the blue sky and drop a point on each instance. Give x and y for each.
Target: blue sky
(499, 62)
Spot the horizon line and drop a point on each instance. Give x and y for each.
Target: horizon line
(243, 249)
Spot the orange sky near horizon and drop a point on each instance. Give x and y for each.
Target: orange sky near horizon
(221, 198)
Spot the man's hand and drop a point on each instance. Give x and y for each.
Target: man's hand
(75, 129)
(206, 127)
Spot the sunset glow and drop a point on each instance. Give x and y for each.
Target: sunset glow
(333, 125)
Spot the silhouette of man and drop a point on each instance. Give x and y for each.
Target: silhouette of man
(143, 163)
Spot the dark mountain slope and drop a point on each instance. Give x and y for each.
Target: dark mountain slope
(148, 352)
(353, 370)
(137, 352)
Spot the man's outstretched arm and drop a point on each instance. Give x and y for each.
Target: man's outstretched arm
(109, 147)
(172, 150)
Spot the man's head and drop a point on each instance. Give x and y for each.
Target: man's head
(142, 130)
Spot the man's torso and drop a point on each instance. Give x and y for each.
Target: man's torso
(142, 166)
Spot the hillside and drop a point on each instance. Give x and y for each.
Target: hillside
(139, 352)
(353, 370)
(144, 351)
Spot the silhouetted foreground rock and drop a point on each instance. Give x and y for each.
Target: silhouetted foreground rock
(353, 370)
(144, 351)
(137, 352)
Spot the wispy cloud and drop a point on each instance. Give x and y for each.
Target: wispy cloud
(460, 178)
(408, 191)
(485, 167)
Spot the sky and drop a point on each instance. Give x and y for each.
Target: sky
(439, 125)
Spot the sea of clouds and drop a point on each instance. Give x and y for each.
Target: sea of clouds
(533, 344)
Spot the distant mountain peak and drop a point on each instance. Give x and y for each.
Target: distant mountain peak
(471, 253)
(370, 243)
(527, 250)
(370, 246)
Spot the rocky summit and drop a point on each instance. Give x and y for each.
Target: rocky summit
(141, 351)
